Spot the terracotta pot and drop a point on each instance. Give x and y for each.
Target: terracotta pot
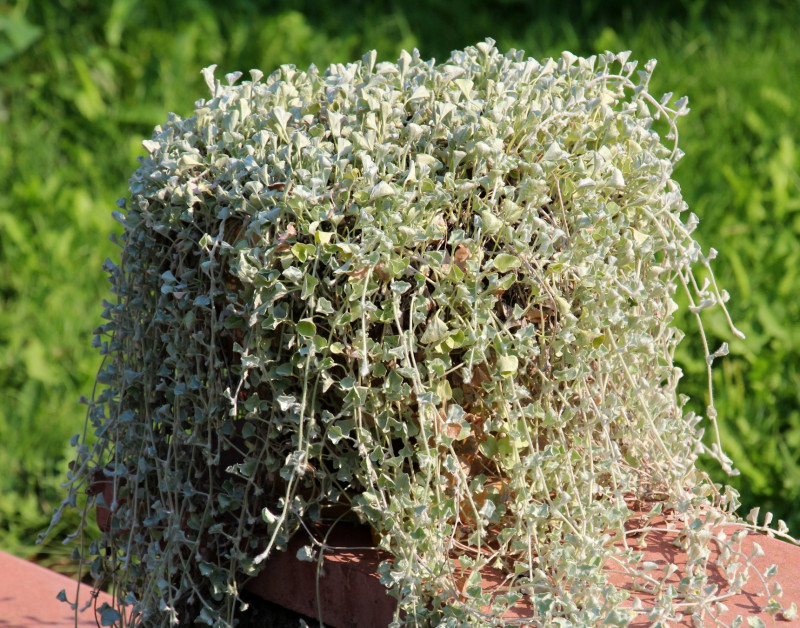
(103, 485)
(351, 595)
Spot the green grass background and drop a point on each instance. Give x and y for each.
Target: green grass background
(82, 82)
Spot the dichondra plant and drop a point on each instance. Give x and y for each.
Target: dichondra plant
(435, 298)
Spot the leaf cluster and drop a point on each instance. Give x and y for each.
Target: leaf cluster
(435, 298)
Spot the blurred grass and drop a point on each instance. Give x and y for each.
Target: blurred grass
(83, 82)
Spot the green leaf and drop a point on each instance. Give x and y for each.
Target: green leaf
(282, 117)
(319, 343)
(16, 35)
(324, 306)
(490, 224)
(109, 616)
(306, 327)
(435, 331)
(400, 287)
(563, 305)
(465, 86)
(489, 447)
(380, 190)
(507, 365)
(504, 262)
(268, 516)
(639, 237)
(306, 554)
(303, 251)
(335, 434)
(323, 237)
(554, 153)
(309, 283)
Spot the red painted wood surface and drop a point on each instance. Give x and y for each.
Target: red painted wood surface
(28, 597)
(352, 596)
(349, 589)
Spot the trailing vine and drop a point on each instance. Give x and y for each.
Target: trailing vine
(434, 298)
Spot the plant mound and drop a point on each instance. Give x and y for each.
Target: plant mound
(436, 298)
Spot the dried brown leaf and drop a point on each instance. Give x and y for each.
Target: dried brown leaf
(461, 255)
(359, 273)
